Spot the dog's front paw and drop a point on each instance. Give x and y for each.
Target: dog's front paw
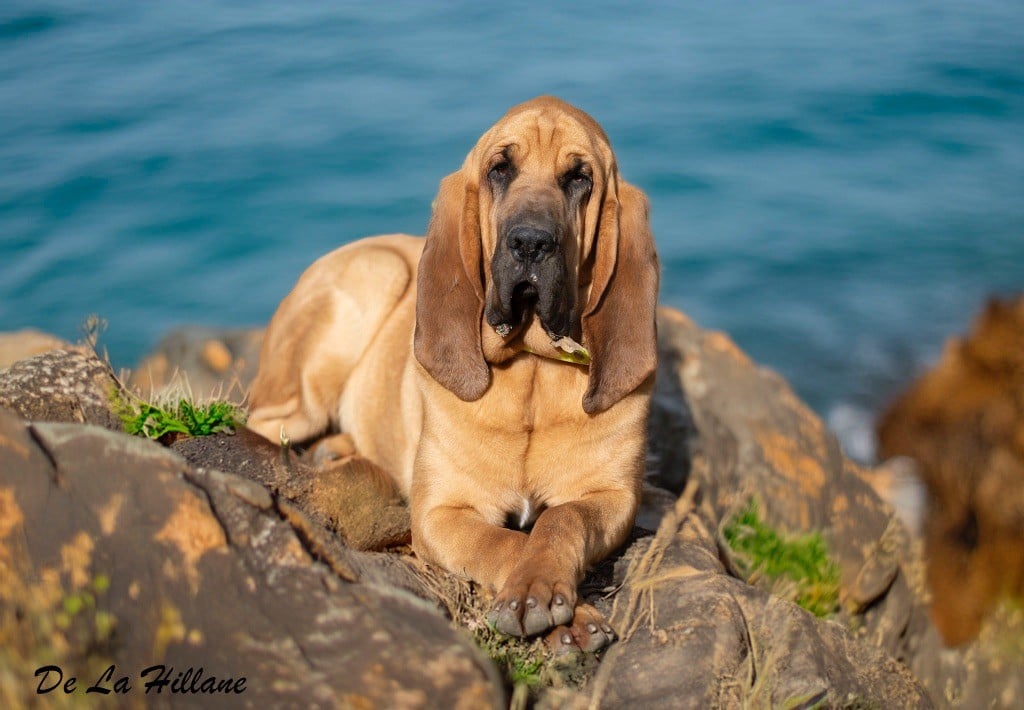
(588, 632)
(530, 604)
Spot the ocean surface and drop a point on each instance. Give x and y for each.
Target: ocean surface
(837, 185)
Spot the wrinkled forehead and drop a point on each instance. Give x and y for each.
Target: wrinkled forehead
(545, 135)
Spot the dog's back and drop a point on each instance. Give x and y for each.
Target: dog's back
(337, 354)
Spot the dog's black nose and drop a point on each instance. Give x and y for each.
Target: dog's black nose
(530, 244)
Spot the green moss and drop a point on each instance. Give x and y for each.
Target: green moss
(80, 619)
(42, 625)
(520, 661)
(797, 567)
(527, 666)
(1003, 633)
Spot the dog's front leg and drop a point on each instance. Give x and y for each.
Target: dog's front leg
(462, 541)
(540, 592)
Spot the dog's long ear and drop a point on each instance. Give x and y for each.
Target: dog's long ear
(619, 318)
(449, 293)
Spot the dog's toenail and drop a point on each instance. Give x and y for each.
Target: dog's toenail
(559, 600)
(592, 628)
(531, 602)
(498, 606)
(514, 604)
(567, 639)
(607, 629)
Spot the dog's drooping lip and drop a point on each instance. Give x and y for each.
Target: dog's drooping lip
(520, 290)
(524, 302)
(524, 299)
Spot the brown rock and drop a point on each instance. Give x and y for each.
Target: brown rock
(963, 422)
(61, 386)
(695, 637)
(741, 432)
(22, 344)
(351, 498)
(216, 356)
(201, 569)
(206, 362)
(738, 430)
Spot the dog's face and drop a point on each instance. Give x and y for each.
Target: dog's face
(538, 172)
(537, 224)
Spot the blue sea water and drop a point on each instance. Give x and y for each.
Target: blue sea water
(836, 185)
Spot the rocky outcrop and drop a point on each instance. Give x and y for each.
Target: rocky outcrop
(963, 423)
(694, 636)
(202, 569)
(61, 386)
(204, 362)
(745, 434)
(722, 431)
(23, 344)
(350, 498)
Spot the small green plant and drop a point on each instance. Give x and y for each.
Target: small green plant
(171, 416)
(79, 618)
(526, 665)
(796, 567)
(178, 419)
(41, 625)
(520, 661)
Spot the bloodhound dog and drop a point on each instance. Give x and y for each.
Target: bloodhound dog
(499, 370)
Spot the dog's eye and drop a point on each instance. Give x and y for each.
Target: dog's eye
(500, 171)
(577, 179)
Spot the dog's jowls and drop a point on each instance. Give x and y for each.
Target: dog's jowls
(437, 357)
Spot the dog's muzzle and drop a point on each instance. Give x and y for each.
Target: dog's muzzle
(530, 276)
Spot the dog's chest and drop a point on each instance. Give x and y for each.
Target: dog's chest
(534, 394)
(527, 444)
(538, 437)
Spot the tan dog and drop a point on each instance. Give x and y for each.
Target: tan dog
(454, 364)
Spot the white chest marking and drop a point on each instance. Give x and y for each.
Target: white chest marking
(527, 515)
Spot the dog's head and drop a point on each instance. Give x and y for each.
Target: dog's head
(537, 224)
